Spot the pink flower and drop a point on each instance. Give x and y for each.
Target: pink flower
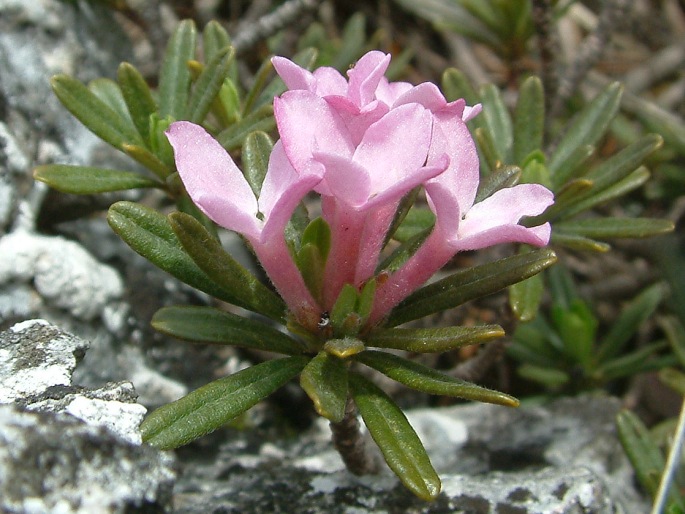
(219, 189)
(363, 102)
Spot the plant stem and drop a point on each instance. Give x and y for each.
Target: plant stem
(671, 465)
(352, 445)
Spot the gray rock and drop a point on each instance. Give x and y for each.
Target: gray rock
(560, 458)
(52, 463)
(65, 448)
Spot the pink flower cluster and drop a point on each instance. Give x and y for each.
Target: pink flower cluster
(361, 144)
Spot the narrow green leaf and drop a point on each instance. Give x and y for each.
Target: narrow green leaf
(630, 319)
(641, 360)
(529, 119)
(95, 114)
(148, 159)
(223, 269)
(586, 129)
(525, 297)
(256, 152)
(210, 325)
(498, 121)
(427, 380)
(138, 98)
(674, 379)
(258, 85)
(642, 452)
(174, 77)
(344, 312)
(603, 228)
(592, 199)
(675, 334)
(432, 340)
(260, 119)
(403, 209)
(506, 176)
(548, 377)
(456, 85)
(572, 167)
(397, 440)
(353, 41)
(149, 234)
(214, 40)
(576, 242)
(108, 92)
(471, 283)
(211, 406)
(208, 84)
(324, 379)
(83, 180)
(416, 221)
(487, 149)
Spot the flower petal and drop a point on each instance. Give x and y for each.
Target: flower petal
(395, 146)
(346, 180)
(365, 76)
(282, 190)
(212, 179)
(308, 124)
(294, 76)
(460, 181)
(495, 219)
(426, 94)
(329, 82)
(388, 92)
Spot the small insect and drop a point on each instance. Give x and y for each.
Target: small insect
(324, 321)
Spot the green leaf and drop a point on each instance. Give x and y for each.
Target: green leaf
(576, 242)
(344, 317)
(630, 319)
(353, 41)
(403, 209)
(397, 440)
(505, 176)
(324, 380)
(416, 221)
(208, 84)
(214, 40)
(498, 121)
(108, 91)
(149, 234)
(471, 283)
(258, 85)
(525, 297)
(174, 77)
(259, 120)
(548, 377)
(211, 406)
(640, 361)
(427, 380)
(95, 114)
(148, 159)
(83, 180)
(210, 325)
(674, 379)
(675, 334)
(312, 255)
(432, 340)
(256, 152)
(456, 85)
(642, 452)
(529, 119)
(138, 98)
(573, 165)
(592, 199)
(603, 228)
(223, 269)
(586, 129)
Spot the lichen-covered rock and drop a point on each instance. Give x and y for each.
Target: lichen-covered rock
(52, 463)
(560, 458)
(68, 449)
